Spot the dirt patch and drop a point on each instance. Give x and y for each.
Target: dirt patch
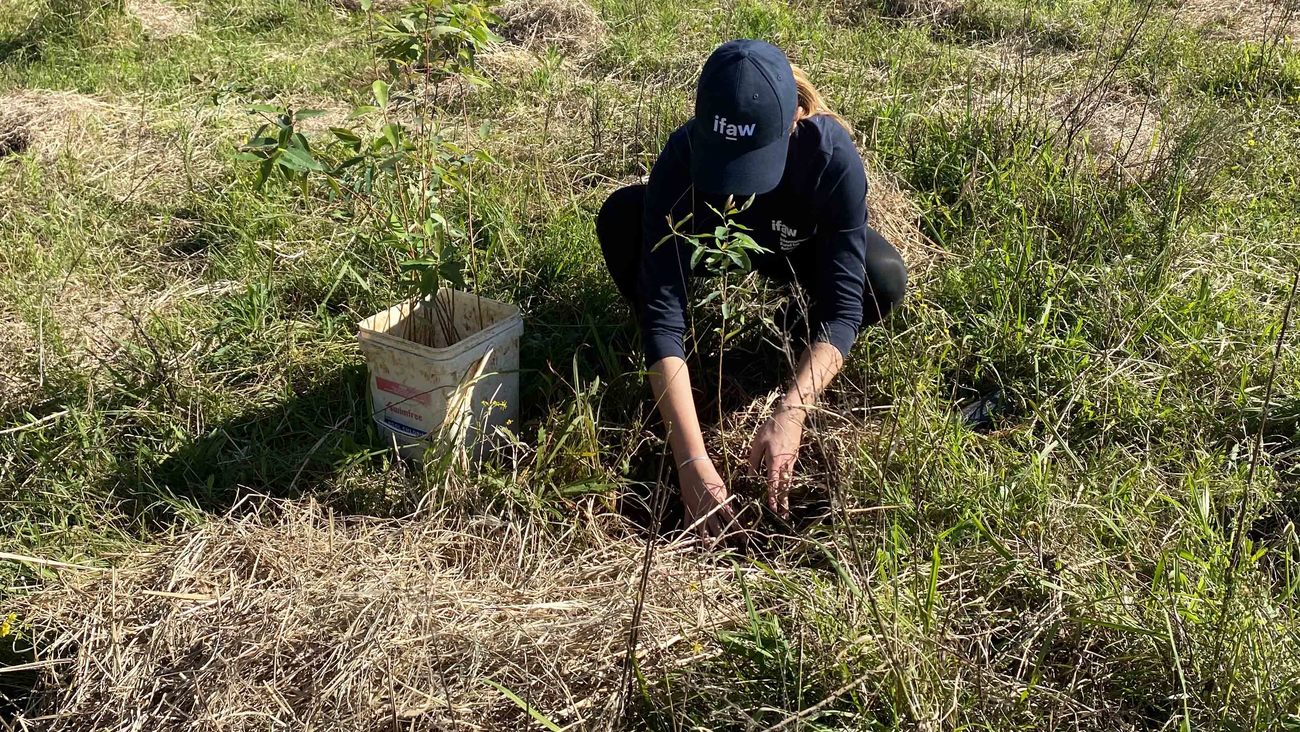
(160, 20)
(1262, 21)
(569, 25)
(365, 624)
(15, 135)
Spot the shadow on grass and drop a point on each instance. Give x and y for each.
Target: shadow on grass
(20, 49)
(15, 687)
(289, 449)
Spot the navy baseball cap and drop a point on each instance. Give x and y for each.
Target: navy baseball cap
(744, 109)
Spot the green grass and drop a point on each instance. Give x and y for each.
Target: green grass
(1071, 568)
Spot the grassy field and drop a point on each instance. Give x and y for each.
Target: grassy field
(1099, 203)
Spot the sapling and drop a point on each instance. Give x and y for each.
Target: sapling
(395, 185)
(721, 253)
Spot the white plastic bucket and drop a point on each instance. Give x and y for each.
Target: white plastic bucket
(442, 367)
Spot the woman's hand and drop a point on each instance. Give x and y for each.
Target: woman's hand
(772, 456)
(709, 510)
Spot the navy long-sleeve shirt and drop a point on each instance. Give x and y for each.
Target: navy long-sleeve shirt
(813, 226)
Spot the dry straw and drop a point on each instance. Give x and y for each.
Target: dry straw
(160, 20)
(569, 25)
(119, 146)
(314, 621)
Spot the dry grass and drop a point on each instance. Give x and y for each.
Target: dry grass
(78, 326)
(380, 6)
(160, 20)
(831, 441)
(569, 25)
(1245, 20)
(82, 327)
(19, 361)
(1123, 135)
(310, 620)
(927, 10)
(895, 214)
(122, 148)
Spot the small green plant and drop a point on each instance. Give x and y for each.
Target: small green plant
(279, 148)
(396, 187)
(722, 254)
(437, 37)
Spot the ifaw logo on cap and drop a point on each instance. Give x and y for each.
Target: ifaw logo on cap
(730, 131)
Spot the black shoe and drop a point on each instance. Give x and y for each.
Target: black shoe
(980, 414)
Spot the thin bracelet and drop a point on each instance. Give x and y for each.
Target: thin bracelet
(690, 460)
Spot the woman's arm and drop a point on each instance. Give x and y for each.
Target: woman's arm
(776, 446)
(704, 494)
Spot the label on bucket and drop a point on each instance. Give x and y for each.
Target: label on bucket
(404, 429)
(402, 390)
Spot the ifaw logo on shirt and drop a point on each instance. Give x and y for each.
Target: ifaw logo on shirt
(789, 238)
(732, 132)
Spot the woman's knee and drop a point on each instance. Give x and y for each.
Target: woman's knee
(620, 216)
(618, 227)
(886, 279)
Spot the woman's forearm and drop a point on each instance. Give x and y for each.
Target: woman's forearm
(670, 381)
(817, 367)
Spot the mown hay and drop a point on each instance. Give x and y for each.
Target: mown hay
(569, 25)
(1261, 21)
(112, 145)
(1123, 136)
(311, 621)
(895, 214)
(19, 362)
(160, 20)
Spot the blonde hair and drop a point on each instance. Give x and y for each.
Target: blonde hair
(811, 102)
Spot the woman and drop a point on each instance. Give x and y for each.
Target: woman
(760, 129)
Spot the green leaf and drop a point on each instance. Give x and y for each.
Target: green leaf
(393, 134)
(345, 134)
(307, 114)
(451, 30)
(264, 172)
(932, 590)
(452, 271)
(380, 89)
(298, 159)
(532, 712)
(262, 143)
